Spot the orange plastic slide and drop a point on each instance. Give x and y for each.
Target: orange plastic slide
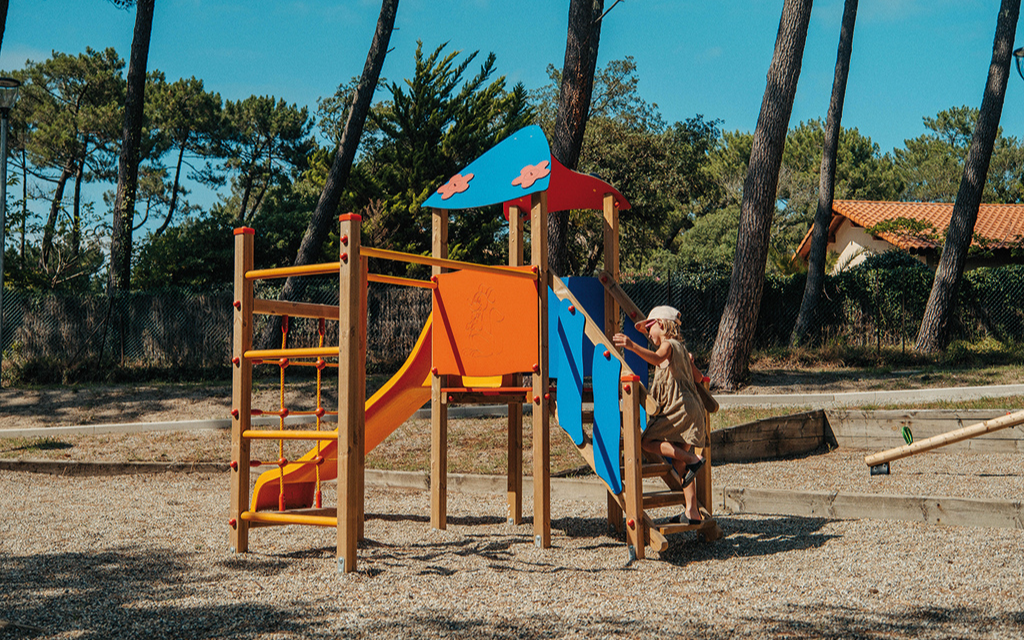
(386, 410)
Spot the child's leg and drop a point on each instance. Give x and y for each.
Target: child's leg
(680, 454)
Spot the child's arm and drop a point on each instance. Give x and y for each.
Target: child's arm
(663, 353)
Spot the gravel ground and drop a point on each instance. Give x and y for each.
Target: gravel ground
(146, 557)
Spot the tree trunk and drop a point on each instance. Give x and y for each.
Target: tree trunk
(325, 214)
(246, 192)
(76, 210)
(814, 286)
(934, 332)
(128, 163)
(577, 88)
(3, 20)
(729, 357)
(51, 221)
(174, 192)
(24, 200)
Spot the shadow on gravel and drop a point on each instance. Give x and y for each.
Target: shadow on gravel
(125, 593)
(834, 621)
(747, 538)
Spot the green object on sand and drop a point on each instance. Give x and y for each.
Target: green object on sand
(907, 434)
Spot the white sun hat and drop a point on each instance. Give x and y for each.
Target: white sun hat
(662, 312)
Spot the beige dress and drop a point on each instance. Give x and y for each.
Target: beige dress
(681, 415)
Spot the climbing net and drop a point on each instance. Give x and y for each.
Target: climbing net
(320, 413)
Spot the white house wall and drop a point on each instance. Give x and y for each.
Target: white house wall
(854, 243)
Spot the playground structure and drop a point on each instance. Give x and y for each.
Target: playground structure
(879, 462)
(491, 327)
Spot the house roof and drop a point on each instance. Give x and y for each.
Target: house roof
(1001, 223)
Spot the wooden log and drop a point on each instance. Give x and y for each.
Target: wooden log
(881, 429)
(770, 438)
(941, 510)
(928, 444)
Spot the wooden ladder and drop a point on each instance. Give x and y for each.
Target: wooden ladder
(654, 533)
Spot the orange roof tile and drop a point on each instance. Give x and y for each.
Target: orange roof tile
(1001, 223)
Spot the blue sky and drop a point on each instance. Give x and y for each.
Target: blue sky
(911, 58)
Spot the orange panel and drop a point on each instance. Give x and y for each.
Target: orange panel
(484, 324)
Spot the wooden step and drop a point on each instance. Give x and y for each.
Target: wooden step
(708, 528)
(655, 499)
(651, 469)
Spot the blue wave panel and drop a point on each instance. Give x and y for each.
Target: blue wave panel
(569, 352)
(553, 305)
(607, 419)
(590, 294)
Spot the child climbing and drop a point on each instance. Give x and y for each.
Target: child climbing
(679, 426)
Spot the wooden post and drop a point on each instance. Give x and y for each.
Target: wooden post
(611, 308)
(703, 479)
(611, 263)
(364, 272)
(515, 409)
(438, 403)
(241, 388)
(351, 410)
(632, 481)
(541, 407)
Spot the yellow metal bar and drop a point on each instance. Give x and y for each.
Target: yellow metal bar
(405, 282)
(256, 434)
(310, 352)
(327, 268)
(289, 518)
(445, 262)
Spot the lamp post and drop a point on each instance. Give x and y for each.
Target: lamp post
(8, 96)
(1017, 55)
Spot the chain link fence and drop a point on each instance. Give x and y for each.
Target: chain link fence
(863, 306)
(182, 329)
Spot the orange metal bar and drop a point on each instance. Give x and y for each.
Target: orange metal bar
(326, 352)
(488, 391)
(323, 269)
(304, 363)
(405, 282)
(289, 518)
(256, 434)
(445, 262)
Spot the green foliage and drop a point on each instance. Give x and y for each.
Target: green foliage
(264, 143)
(433, 126)
(712, 240)
(895, 259)
(862, 172)
(196, 253)
(931, 165)
(664, 171)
